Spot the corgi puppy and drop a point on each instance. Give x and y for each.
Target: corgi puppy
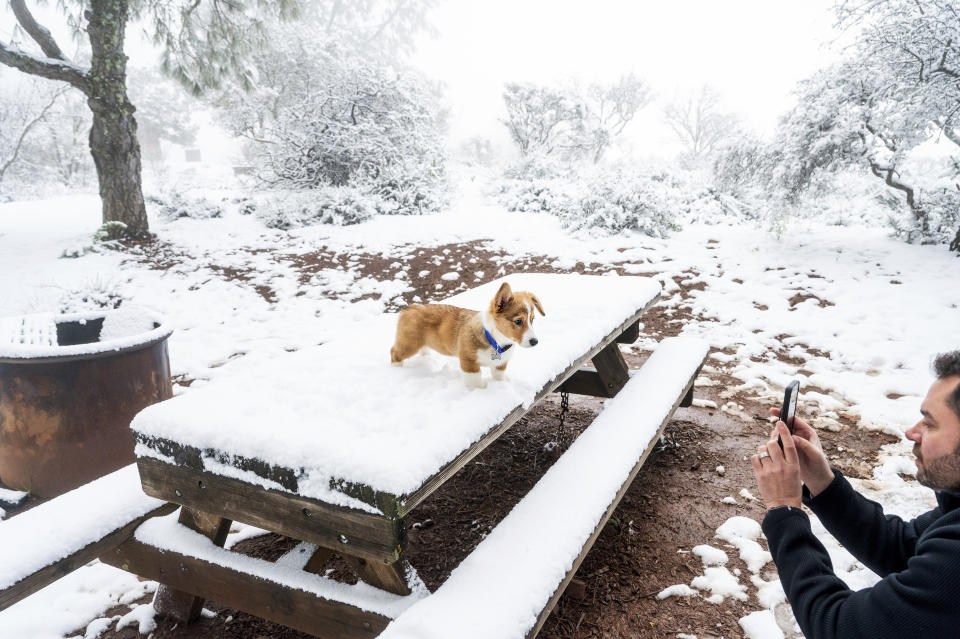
(476, 338)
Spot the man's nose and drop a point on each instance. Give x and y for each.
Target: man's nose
(534, 341)
(913, 433)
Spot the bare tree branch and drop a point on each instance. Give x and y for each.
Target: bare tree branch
(38, 32)
(26, 130)
(44, 67)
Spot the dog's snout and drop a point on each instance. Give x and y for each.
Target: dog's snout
(534, 341)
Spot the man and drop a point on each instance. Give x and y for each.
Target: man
(919, 561)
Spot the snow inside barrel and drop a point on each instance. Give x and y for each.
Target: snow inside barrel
(69, 387)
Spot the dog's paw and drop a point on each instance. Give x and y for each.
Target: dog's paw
(499, 376)
(474, 380)
(398, 364)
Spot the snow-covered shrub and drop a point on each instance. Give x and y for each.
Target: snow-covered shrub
(106, 238)
(173, 206)
(341, 206)
(547, 195)
(616, 203)
(412, 194)
(92, 295)
(609, 200)
(355, 123)
(743, 165)
(940, 223)
(708, 205)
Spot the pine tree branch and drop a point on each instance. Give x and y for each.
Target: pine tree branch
(38, 32)
(44, 67)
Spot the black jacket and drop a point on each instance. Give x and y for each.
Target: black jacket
(919, 562)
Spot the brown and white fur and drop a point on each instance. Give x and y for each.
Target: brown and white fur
(451, 330)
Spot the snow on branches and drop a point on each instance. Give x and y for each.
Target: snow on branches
(323, 119)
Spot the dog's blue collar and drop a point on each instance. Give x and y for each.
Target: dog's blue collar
(493, 343)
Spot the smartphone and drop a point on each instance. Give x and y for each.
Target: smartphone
(789, 409)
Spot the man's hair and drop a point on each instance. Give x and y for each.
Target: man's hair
(948, 365)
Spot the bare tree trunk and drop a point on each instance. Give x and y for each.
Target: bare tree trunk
(887, 174)
(113, 136)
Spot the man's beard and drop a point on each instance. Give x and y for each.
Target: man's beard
(942, 473)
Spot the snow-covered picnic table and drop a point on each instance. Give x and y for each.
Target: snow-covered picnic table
(334, 446)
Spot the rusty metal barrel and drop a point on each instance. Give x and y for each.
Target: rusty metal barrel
(69, 387)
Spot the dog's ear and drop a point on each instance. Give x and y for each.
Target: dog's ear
(536, 303)
(503, 297)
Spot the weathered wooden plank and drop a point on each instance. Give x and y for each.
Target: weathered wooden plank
(613, 506)
(68, 564)
(687, 400)
(389, 577)
(630, 335)
(409, 502)
(179, 605)
(362, 534)
(584, 381)
(283, 604)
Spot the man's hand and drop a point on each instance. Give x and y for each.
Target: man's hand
(815, 470)
(778, 471)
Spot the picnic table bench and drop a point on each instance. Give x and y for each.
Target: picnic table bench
(334, 447)
(41, 545)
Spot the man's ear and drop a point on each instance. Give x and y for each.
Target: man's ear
(503, 297)
(536, 303)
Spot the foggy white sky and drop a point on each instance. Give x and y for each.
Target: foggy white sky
(753, 51)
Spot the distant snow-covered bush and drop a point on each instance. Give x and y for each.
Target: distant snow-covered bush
(619, 199)
(339, 120)
(940, 223)
(415, 193)
(174, 205)
(92, 295)
(617, 203)
(340, 206)
(546, 195)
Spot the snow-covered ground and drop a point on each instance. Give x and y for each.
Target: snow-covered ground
(867, 314)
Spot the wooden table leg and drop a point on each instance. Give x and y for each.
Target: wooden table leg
(611, 368)
(178, 605)
(389, 577)
(318, 560)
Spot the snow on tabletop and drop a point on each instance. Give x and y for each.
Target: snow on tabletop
(498, 591)
(35, 336)
(166, 533)
(342, 411)
(93, 511)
